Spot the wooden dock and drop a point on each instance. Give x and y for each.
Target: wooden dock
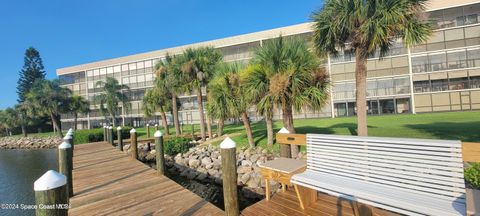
(107, 181)
(286, 204)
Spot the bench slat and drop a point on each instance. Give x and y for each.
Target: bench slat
(393, 140)
(428, 148)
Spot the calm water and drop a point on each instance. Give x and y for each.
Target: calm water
(18, 170)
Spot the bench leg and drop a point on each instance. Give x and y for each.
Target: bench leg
(267, 189)
(306, 196)
(284, 188)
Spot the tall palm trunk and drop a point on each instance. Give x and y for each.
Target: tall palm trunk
(112, 119)
(220, 127)
(248, 129)
(75, 117)
(201, 113)
(361, 83)
(269, 122)
(287, 114)
(175, 115)
(56, 123)
(24, 130)
(209, 127)
(165, 123)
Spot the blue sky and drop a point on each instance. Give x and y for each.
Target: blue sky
(79, 31)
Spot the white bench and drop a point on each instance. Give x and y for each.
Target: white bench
(407, 176)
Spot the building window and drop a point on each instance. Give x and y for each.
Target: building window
(387, 106)
(457, 59)
(421, 86)
(458, 83)
(403, 105)
(340, 109)
(475, 82)
(439, 85)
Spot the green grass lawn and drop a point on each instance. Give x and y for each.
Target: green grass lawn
(463, 126)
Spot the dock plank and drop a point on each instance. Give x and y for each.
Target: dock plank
(107, 181)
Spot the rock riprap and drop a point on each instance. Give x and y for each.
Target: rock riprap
(203, 163)
(29, 142)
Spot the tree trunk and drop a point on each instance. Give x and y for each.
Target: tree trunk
(175, 115)
(287, 113)
(209, 127)
(201, 113)
(113, 120)
(165, 123)
(248, 129)
(269, 122)
(220, 127)
(75, 117)
(56, 124)
(24, 130)
(361, 83)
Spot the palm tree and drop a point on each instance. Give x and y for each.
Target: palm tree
(363, 27)
(256, 84)
(76, 105)
(113, 94)
(10, 119)
(228, 94)
(217, 104)
(198, 66)
(169, 75)
(48, 98)
(293, 77)
(155, 100)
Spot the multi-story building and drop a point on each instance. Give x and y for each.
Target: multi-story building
(441, 75)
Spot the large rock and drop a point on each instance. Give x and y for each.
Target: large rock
(244, 169)
(193, 163)
(206, 161)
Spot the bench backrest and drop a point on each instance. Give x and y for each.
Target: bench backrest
(432, 167)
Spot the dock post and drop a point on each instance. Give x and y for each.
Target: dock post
(110, 134)
(285, 148)
(159, 152)
(229, 170)
(65, 164)
(156, 127)
(120, 138)
(71, 133)
(105, 138)
(133, 143)
(51, 191)
(148, 130)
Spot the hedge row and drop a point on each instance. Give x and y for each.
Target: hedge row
(96, 135)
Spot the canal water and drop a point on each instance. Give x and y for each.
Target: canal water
(18, 170)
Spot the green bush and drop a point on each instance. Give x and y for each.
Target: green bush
(96, 135)
(176, 145)
(472, 175)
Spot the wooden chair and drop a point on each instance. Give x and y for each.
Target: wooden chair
(408, 176)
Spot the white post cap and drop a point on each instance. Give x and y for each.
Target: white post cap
(284, 131)
(148, 125)
(133, 130)
(67, 137)
(156, 125)
(119, 128)
(50, 180)
(64, 145)
(158, 133)
(70, 130)
(104, 126)
(228, 143)
(110, 127)
(70, 133)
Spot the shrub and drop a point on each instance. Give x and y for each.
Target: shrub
(176, 145)
(472, 175)
(96, 135)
